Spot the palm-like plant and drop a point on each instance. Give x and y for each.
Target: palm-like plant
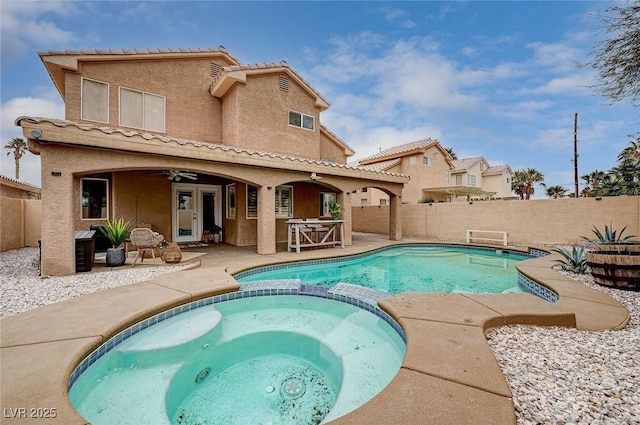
(574, 260)
(609, 236)
(452, 153)
(523, 182)
(18, 147)
(556, 192)
(116, 231)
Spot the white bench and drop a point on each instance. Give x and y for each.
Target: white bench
(471, 236)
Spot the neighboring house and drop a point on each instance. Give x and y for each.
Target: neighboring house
(187, 140)
(12, 188)
(435, 176)
(426, 163)
(474, 179)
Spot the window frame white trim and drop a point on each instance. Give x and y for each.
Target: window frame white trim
(82, 97)
(429, 161)
(143, 93)
(278, 193)
(250, 217)
(324, 207)
(302, 117)
(230, 213)
(106, 181)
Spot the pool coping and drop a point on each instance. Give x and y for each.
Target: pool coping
(448, 376)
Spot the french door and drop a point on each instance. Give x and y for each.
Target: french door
(196, 207)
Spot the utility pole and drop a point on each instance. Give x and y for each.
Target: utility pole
(575, 153)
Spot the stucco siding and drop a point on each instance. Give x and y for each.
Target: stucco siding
(267, 128)
(190, 111)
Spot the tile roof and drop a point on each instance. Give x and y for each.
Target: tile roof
(382, 165)
(496, 169)
(130, 52)
(400, 150)
(277, 67)
(460, 165)
(213, 146)
(13, 182)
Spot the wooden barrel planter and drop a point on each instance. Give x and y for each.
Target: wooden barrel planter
(616, 266)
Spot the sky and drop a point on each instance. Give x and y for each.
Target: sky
(495, 79)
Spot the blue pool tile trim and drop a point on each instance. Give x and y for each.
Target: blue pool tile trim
(534, 288)
(248, 290)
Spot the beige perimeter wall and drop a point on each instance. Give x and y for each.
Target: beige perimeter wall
(19, 223)
(533, 222)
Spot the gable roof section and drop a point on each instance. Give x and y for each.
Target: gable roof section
(348, 150)
(230, 75)
(382, 165)
(135, 141)
(462, 165)
(402, 150)
(497, 169)
(57, 62)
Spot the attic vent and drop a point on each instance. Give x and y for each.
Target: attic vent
(215, 69)
(284, 83)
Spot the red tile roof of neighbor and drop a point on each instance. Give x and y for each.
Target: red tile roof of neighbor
(19, 184)
(466, 163)
(130, 52)
(400, 150)
(382, 165)
(198, 144)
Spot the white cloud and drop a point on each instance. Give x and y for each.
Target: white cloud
(577, 84)
(45, 106)
(27, 24)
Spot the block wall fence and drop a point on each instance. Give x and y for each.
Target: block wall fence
(532, 222)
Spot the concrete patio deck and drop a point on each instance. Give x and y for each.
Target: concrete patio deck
(449, 374)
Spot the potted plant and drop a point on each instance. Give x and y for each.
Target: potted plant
(117, 233)
(614, 260)
(334, 209)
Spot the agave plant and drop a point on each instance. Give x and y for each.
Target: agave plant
(116, 231)
(574, 260)
(610, 236)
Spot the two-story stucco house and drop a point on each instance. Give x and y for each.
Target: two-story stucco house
(474, 178)
(186, 140)
(435, 176)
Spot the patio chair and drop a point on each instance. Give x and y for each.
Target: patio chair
(146, 240)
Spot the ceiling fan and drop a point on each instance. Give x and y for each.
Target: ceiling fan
(177, 175)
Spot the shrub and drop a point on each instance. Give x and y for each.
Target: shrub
(609, 236)
(574, 260)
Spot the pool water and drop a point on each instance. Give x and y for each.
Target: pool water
(284, 359)
(405, 268)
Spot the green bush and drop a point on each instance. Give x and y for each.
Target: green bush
(116, 231)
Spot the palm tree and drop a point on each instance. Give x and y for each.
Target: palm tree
(593, 180)
(556, 192)
(18, 146)
(523, 181)
(452, 153)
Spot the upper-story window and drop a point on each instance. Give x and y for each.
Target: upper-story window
(458, 180)
(471, 180)
(142, 110)
(301, 120)
(427, 160)
(413, 160)
(94, 102)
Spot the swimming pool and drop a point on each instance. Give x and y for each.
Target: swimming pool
(403, 268)
(241, 359)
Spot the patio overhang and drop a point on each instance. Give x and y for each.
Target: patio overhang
(54, 131)
(457, 191)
